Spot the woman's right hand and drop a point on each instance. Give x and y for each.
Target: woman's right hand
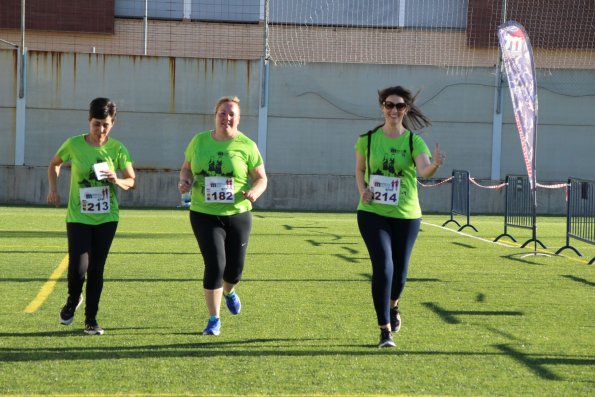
(184, 186)
(367, 196)
(53, 198)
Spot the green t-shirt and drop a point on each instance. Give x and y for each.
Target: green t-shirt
(227, 162)
(92, 201)
(391, 157)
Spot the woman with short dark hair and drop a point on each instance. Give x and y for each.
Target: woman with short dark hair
(93, 213)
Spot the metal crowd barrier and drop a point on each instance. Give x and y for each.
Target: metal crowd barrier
(519, 210)
(459, 202)
(580, 213)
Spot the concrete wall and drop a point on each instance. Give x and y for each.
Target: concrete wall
(324, 107)
(157, 188)
(162, 102)
(315, 114)
(8, 92)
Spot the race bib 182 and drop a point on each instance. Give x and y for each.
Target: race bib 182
(219, 189)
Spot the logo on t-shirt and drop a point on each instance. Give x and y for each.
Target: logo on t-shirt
(218, 165)
(388, 167)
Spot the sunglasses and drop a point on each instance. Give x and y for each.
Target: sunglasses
(390, 105)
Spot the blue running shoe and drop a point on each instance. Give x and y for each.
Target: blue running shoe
(213, 327)
(233, 303)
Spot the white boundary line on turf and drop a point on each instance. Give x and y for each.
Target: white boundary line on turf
(47, 288)
(504, 244)
(469, 235)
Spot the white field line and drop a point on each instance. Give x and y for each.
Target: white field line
(503, 244)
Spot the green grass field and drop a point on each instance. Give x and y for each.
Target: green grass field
(478, 318)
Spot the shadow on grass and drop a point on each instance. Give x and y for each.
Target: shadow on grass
(505, 334)
(368, 276)
(208, 346)
(463, 245)
(63, 333)
(197, 253)
(38, 234)
(289, 227)
(451, 316)
(64, 252)
(579, 280)
(169, 253)
(107, 280)
(142, 236)
(32, 234)
(32, 252)
(321, 243)
(351, 259)
(536, 364)
(278, 215)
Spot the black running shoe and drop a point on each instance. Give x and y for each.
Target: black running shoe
(386, 338)
(93, 328)
(67, 312)
(395, 319)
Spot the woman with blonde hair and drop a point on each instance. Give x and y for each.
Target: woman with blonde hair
(225, 173)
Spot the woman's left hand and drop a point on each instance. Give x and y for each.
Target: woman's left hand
(111, 176)
(438, 157)
(249, 195)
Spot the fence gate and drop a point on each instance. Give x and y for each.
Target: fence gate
(459, 202)
(580, 214)
(519, 210)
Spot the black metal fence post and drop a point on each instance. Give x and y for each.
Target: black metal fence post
(519, 211)
(580, 214)
(459, 201)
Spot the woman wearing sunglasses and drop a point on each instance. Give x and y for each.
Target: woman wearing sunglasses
(388, 159)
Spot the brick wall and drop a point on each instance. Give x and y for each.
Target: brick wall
(60, 15)
(292, 44)
(551, 24)
(164, 38)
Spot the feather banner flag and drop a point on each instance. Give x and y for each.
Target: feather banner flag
(517, 56)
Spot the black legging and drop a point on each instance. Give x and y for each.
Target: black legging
(389, 242)
(223, 241)
(88, 247)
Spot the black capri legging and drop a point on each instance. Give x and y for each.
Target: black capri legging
(223, 241)
(389, 242)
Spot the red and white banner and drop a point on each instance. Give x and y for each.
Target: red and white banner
(517, 55)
